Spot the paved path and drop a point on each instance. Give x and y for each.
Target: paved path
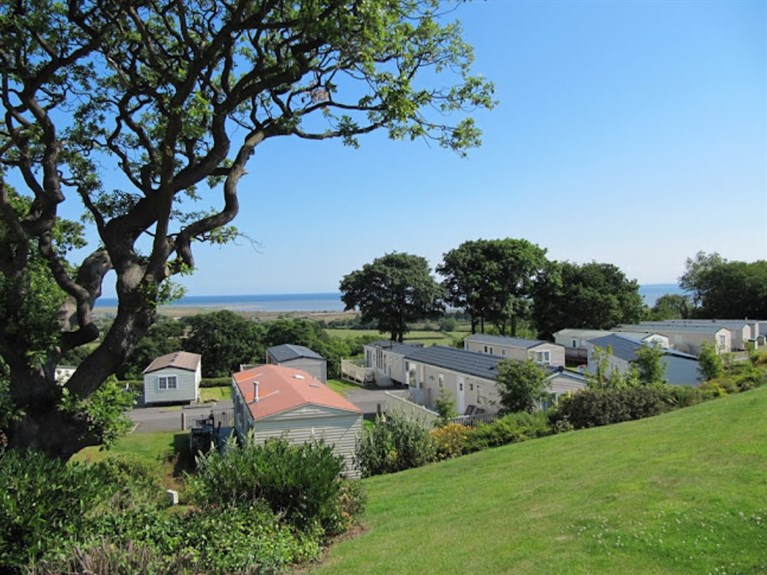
(169, 418)
(148, 419)
(367, 400)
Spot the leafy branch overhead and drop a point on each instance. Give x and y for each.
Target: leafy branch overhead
(146, 114)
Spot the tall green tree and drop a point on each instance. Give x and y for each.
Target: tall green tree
(726, 289)
(225, 340)
(492, 280)
(672, 306)
(710, 363)
(394, 290)
(651, 370)
(169, 99)
(589, 296)
(522, 385)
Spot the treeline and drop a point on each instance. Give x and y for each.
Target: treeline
(226, 340)
(505, 284)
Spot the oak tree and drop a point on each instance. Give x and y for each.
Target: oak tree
(589, 296)
(394, 290)
(492, 280)
(143, 115)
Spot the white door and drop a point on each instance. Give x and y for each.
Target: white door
(460, 400)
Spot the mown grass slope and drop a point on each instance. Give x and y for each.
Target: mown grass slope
(685, 492)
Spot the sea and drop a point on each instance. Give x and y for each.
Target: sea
(318, 302)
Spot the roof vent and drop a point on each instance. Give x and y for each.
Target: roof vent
(314, 385)
(298, 376)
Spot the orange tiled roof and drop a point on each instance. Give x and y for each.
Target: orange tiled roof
(283, 388)
(179, 359)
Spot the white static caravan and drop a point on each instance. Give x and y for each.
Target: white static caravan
(173, 378)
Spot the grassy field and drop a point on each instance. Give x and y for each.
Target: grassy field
(416, 336)
(215, 393)
(166, 451)
(683, 493)
(342, 387)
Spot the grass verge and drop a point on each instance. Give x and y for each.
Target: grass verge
(682, 493)
(166, 451)
(215, 393)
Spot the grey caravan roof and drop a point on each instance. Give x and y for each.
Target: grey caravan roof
(458, 360)
(662, 329)
(725, 323)
(287, 351)
(622, 347)
(504, 340)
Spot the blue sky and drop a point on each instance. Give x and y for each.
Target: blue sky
(632, 133)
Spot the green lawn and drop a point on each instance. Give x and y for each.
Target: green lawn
(215, 393)
(685, 493)
(417, 336)
(166, 451)
(342, 387)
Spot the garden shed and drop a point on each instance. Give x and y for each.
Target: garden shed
(272, 401)
(173, 378)
(299, 357)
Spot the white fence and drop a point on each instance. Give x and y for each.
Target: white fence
(413, 411)
(351, 371)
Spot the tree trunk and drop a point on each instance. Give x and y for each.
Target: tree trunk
(52, 432)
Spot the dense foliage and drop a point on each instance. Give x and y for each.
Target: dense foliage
(144, 116)
(394, 443)
(110, 518)
(595, 407)
(393, 290)
(512, 428)
(521, 384)
(726, 289)
(492, 280)
(588, 296)
(299, 482)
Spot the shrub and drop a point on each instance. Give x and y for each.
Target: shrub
(301, 482)
(450, 440)
(394, 443)
(684, 396)
(47, 505)
(511, 428)
(445, 406)
(595, 407)
(215, 381)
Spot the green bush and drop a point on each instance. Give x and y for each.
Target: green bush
(511, 428)
(301, 482)
(210, 541)
(215, 381)
(595, 407)
(47, 505)
(110, 518)
(684, 396)
(394, 443)
(450, 440)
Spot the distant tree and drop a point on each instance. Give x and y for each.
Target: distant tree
(394, 290)
(726, 289)
(672, 306)
(492, 280)
(649, 365)
(225, 340)
(588, 296)
(144, 115)
(710, 363)
(522, 385)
